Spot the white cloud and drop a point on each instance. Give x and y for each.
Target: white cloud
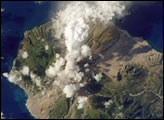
(81, 101)
(101, 55)
(85, 51)
(24, 55)
(2, 116)
(75, 32)
(108, 103)
(72, 23)
(2, 10)
(65, 68)
(43, 93)
(86, 65)
(81, 85)
(59, 63)
(78, 76)
(72, 71)
(73, 20)
(98, 77)
(25, 70)
(38, 2)
(86, 70)
(14, 76)
(35, 79)
(90, 58)
(119, 115)
(51, 72)
(32, 75)
(56, 67)
(56, 83)
(5, 75)
(120, 107)
(70, 89)
(57, 55)
(46, 47)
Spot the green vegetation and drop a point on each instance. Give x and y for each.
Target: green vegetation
(136, 91)
(60, 109)
(34, 43)
(96, 114)
(97, 102)
(78, 113)
(38, 59)
(68, 116)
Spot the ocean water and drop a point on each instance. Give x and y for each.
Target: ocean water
(17, 18)
(21, 16)
(145, 21)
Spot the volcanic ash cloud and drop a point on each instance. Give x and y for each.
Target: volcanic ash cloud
(73, 24)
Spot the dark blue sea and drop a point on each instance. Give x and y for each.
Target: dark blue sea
(144, 21)
(16, 18)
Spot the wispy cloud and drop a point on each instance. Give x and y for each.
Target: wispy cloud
(2, 116)
(2, 10)
(38, 2)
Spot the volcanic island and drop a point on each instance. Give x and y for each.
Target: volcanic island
(122, 78)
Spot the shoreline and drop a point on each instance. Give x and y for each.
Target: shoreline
(26, 93)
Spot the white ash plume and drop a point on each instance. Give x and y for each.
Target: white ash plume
(71, 26)
(70, 89)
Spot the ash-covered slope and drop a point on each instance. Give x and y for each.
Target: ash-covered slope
(122, 79)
